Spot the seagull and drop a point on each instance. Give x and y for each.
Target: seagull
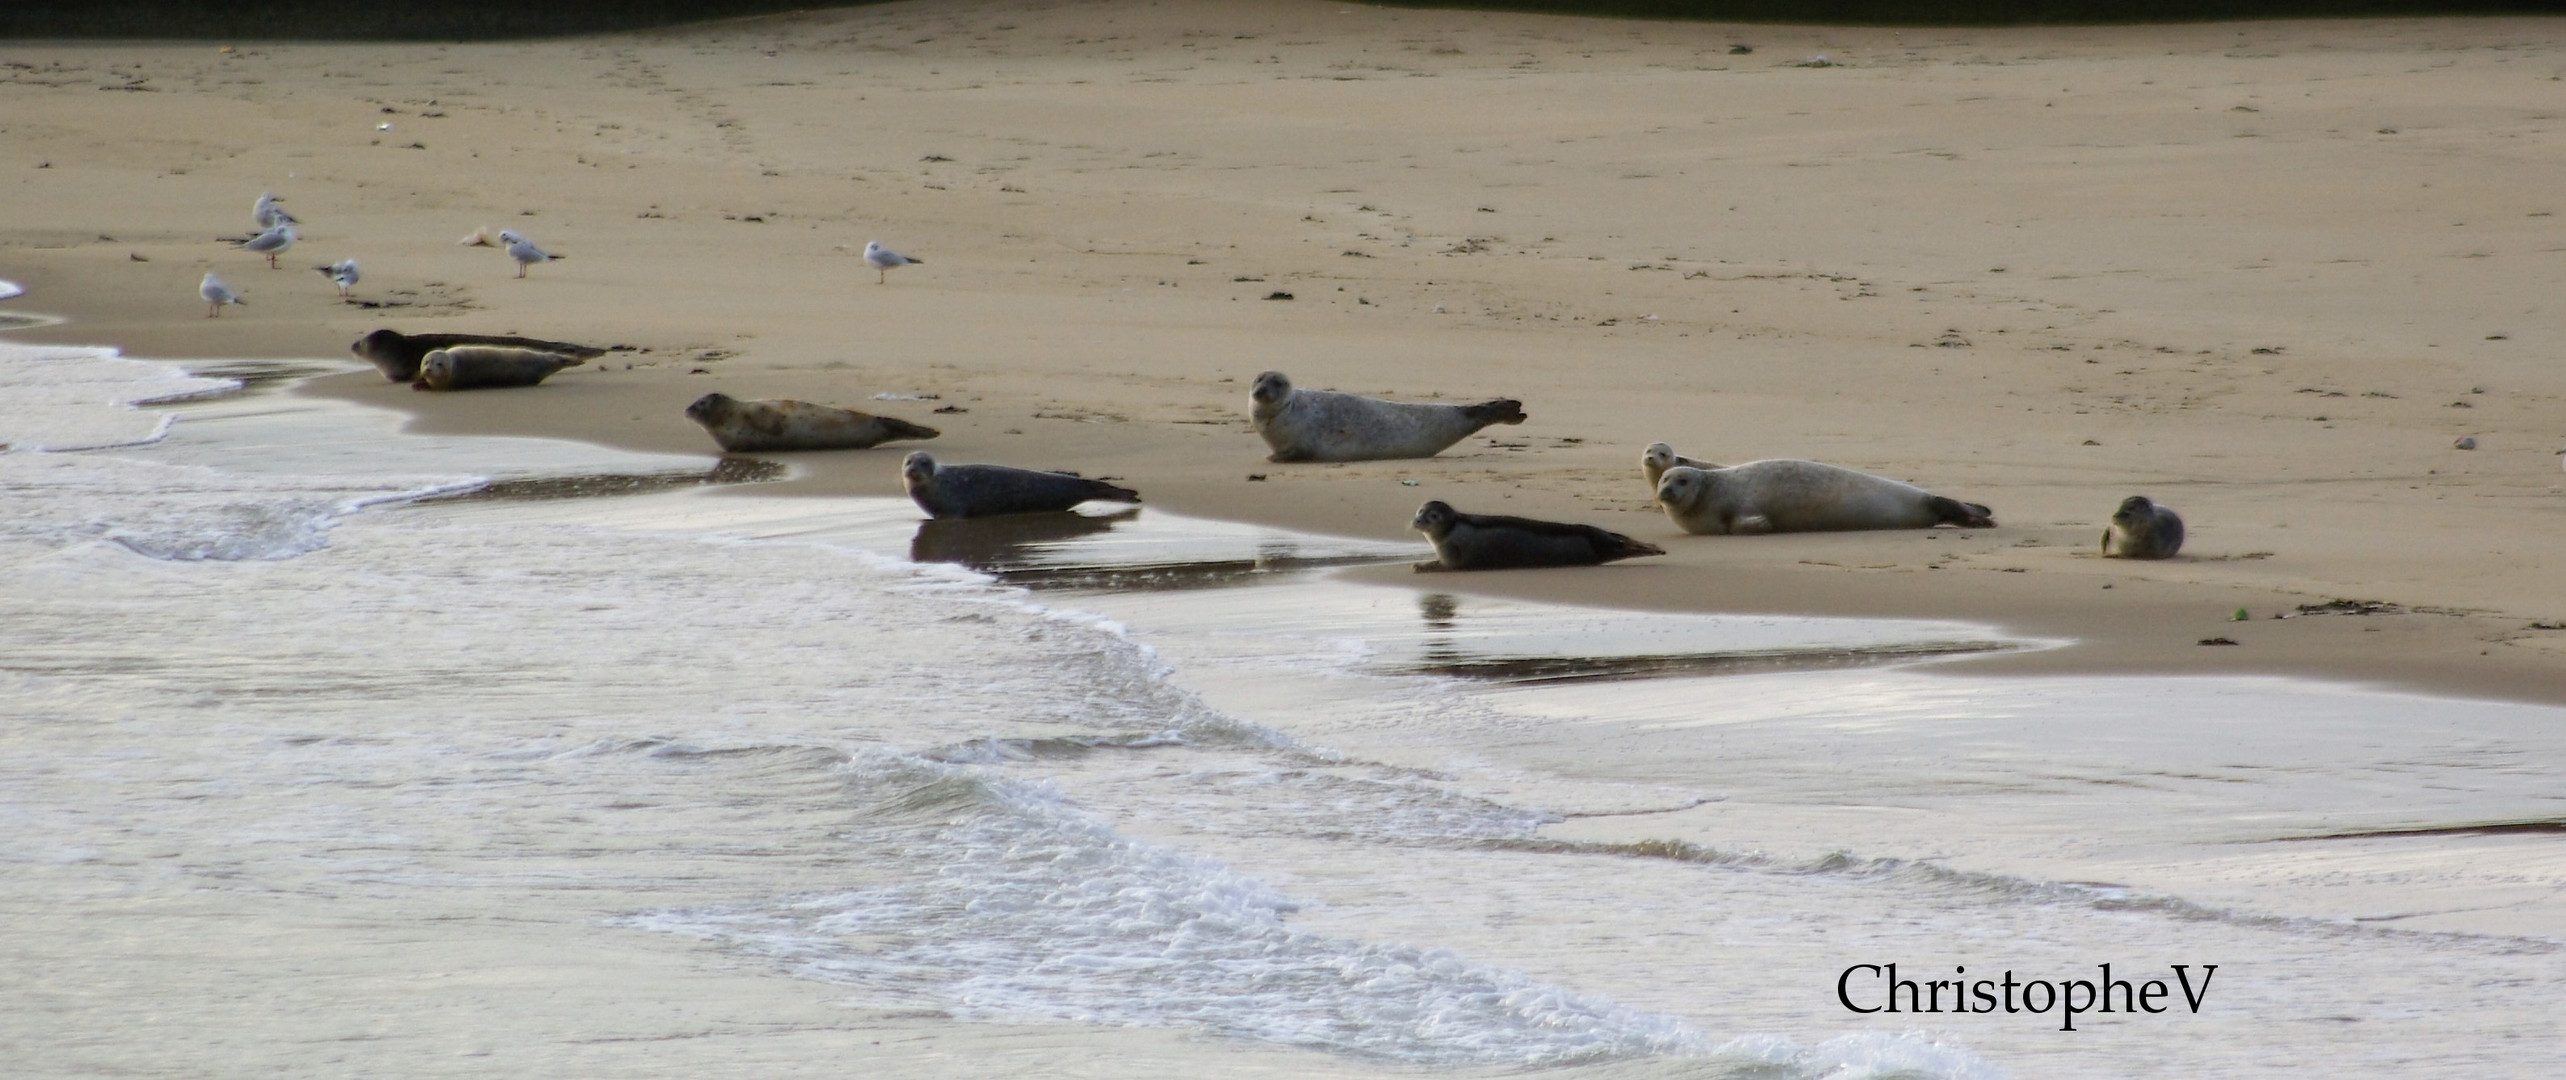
(524, 251)
(883, 259)
(216, 294)
(267, 213)
(341, 273)
(272, 242)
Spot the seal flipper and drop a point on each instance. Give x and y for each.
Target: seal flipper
(1500, 411)
(1965, 515)
(1610, 546)
(902, 429)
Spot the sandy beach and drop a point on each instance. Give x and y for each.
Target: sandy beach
(2268, 274)
(2265, 273)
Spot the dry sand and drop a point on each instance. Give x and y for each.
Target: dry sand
(2265, 273)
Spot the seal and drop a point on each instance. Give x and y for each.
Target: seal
(472, 367)
(1318, 425)
(2140, 529)
(969, 491)
(1787, 495)
(397, 355)
(1484, 542)
(785, 424)
(1660, 457)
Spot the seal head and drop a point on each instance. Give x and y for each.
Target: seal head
(2140, 529)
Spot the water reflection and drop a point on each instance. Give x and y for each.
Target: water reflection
(730, 470)
(1506, 646)
(1073, 551)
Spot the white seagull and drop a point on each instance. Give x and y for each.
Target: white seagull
(271, 243)
(216, 294)
(883, 259)
(267, 213)
(341, 273)
(524, 251)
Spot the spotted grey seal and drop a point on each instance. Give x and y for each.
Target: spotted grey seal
(1486, 542)
(785, 424)
(1318, 425)
(1787, 495)
(397, 355)
(966, 491)
(2140, 529)
(1659, 457)
(473, 367)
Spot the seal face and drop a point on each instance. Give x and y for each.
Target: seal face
(967, 491)
(1487, 542)
(2140, 529)
(1320, 425)
(473, 367)
(1659, 457)
(1789, 495)
(397, 355)
(785, 424)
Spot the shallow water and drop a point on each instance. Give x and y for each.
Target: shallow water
(1134, 769)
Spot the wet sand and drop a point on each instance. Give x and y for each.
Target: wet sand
(2264, 273)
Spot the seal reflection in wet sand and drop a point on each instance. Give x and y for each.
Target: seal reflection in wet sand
(1788, 495)
(785, 424)
(474, 367)
(2140, 529)
(397, 355)
(1320, 425)
(1659, 457)
(968, 491)
(1484, 542)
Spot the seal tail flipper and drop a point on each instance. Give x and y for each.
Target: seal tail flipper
(1965, 515)
(1098, 489)
(1610, 546)
(1500, 411)
(902, 429)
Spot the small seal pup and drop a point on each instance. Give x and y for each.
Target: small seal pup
(1319, 425)
(397, 355)
(1787, 495)
(1484, 542)
(1659, 457)
(967, 491)
(784, 424)
(472, 367)
(2140, 529)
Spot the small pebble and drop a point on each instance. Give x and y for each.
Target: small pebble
(2465, 443)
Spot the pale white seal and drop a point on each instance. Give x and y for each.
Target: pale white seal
(397, 355)
(472, 367)
(1320, 425)
(216, 294)
(1659, 457)
(1787, 495)
(2140, 529)
(964, 491)
(1487, 542)
(884, 260)
(784, 424)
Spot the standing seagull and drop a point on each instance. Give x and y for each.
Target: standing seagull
(524, 251)
(267, 213)
(216, 294)
(883, 259)
(271, 243)
(341, 273)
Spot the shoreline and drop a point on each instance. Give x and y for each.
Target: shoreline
(1096, 311)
